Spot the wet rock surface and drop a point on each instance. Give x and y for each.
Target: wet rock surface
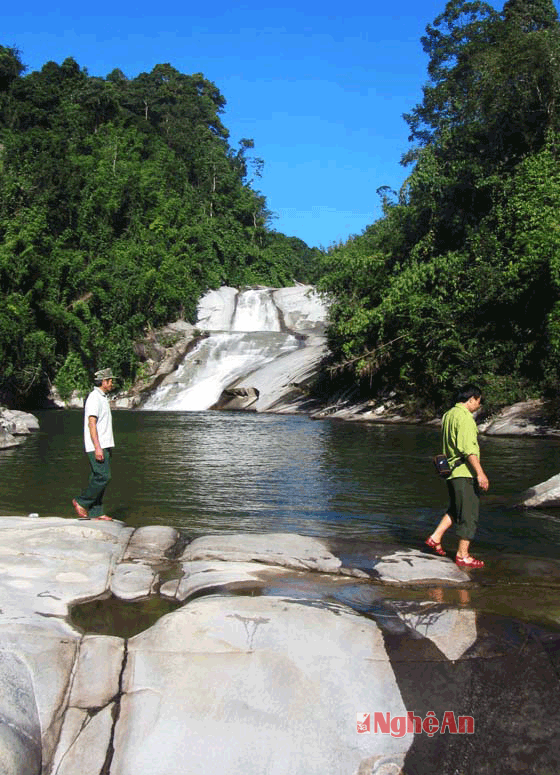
(279, 642)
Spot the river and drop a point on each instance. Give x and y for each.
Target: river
(219, 471)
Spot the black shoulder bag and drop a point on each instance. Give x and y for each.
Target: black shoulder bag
(441, 464)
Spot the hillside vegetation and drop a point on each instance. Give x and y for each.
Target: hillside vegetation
(460, 279)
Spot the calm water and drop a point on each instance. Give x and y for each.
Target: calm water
(228, 472)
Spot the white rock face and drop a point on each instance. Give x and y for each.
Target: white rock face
(279, 696)
(18, 423)
(302, 308)
(201, 576)
(151, 543)
(452, 630)
(262, 341)
(281, 384)
(215, 309)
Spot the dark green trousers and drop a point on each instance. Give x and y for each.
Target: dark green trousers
(464, 504)
(100, 476)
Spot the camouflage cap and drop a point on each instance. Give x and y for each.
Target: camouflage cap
(102, 374)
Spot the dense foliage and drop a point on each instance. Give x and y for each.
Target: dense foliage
(121, 202)
(461, 277)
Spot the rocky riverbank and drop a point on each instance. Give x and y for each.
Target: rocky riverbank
(279, 641)
(526, 418)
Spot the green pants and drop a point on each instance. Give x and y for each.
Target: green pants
(464, 504)
(100, 476)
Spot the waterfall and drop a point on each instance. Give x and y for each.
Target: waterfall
(217, 362)
(255, 311)
(246, 332)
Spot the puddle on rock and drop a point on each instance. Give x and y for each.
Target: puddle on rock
(111, 616)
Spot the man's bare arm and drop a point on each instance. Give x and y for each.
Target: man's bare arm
(481, 477)
(92, 425)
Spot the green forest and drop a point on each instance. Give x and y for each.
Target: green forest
(460, 279)
(122, 201)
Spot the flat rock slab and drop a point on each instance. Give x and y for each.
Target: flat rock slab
(46, 564)
(278, 683)
(286, 549)
(410, 565)
(267, 684)
(133, 581)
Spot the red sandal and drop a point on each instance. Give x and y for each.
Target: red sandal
(436, 547)
(468, 562)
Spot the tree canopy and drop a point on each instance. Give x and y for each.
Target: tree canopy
(121, 202)
(459, 279)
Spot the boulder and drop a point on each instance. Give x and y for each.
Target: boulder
(237, 398)
(14, 423)
(543, 495)
(8, 440)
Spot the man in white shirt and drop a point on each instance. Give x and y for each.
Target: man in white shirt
(99, 443)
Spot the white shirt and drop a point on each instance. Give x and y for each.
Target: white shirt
(97, 405)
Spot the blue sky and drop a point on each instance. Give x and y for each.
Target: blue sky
(320, 92)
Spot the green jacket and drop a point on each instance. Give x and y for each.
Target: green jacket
(459, 439)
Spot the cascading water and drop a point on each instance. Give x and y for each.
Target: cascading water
(255, 311)
(246, 334)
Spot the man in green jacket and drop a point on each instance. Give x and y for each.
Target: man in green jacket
(460, 446)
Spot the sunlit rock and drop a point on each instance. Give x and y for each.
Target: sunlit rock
(453, 630)
(263, 342)
(133, 580)
(302, 308)
(526, 418)
(65, 560)
(151, 543)
(286, 549)
(100, 656)
(17, 422)
(409, 565)
(283, 384)
(84, 742)
(215, 309)
(8, 440)
(20, 729)
(282, 682)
